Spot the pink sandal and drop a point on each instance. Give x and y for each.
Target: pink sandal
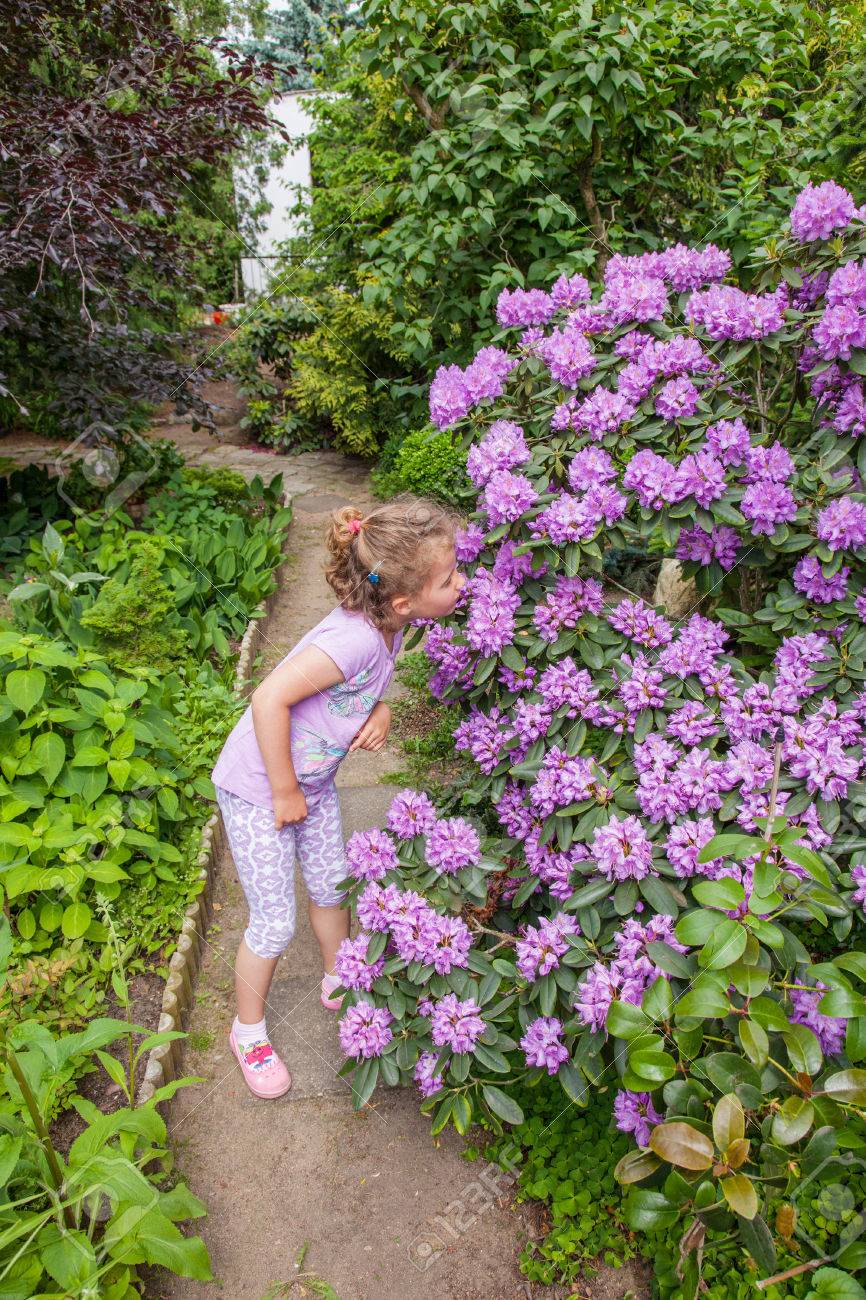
(264, 1072)
(329, 983)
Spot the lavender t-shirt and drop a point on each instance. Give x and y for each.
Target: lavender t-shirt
(325, 723)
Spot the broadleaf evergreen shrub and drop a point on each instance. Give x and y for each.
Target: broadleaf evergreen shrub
(631, 922)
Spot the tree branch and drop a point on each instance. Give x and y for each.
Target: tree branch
(590, 202)
(434, 119)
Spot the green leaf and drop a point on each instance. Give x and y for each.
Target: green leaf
(725, 945)
(76, 919)
(501, 1104)
(646, 1209)
(47, 755)
(705, 1003)
(724, 893)
(847, 1085)
(695, 928)
(755, 1042)
(740, 1194)
(804, 1050)
(729, 1122)
(25, 687)
(652, 1064)
(792, 1121)
(758, 1241)
(669, 960)
(626, 1021)
(842, 1002)
(634, 1166)
(682, 1145)
(833, 1284)
(658, 1000)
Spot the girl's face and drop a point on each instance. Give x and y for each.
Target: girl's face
(438, 597)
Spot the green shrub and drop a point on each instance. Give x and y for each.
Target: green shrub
(428, 463)
(132, 618)
(79, 1222)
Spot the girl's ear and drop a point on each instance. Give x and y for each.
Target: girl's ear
(402, 606)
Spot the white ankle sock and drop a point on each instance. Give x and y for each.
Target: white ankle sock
(250, 1033)
(331, 980)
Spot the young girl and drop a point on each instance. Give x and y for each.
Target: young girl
(275, 775)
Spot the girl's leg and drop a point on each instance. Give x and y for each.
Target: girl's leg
(265, 861)
(253, 976)
(323, 863)
(331, 927)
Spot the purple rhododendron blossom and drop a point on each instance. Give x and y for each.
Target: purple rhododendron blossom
(364, 1030)
(456, 1024)
(452, 844)
(819, 210)
(411, 813)
(371, 854)
(542, 1044)
(634, 1113)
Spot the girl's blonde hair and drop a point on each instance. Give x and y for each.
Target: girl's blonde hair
(396, 543)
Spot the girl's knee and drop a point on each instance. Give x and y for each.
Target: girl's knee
(327, 897)
(271, 938)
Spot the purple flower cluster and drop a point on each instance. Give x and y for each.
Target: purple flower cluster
(428, 1083)
(819, 210)
(541, 946)
(568, 356)
(493, 605)
(452, 844)
(829, 1030)
(561, 780)
(371, 854)
(451, 658)
(502, 447)
(417, 931)
(454, 392)
(640, 622)
(621, 849)
(542, 1044)
(352, 966)
(456, 1024)
(525, 307)
(507, 496)
(565, 605)
(719, 544)
(634, 1113)
(364, 1030)
(411, 813)
(726, 312)
(842, 524)
(628, 975)
(809, 578)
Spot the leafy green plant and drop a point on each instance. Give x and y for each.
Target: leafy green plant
(95, 793)
(428, 463)
(83, 1221)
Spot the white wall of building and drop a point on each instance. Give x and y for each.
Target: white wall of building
(284, 184)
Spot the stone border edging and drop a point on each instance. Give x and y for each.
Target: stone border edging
(165, 1062)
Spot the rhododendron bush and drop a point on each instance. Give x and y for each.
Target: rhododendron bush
(661, 887)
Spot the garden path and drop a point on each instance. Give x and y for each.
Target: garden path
(386, 1212)
(363, 1189)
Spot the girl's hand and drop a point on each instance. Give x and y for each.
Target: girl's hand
(289, 808)
(375, 730)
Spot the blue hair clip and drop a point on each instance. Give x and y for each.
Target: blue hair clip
(373, 577)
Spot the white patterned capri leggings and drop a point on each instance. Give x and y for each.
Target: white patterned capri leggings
(265, 862)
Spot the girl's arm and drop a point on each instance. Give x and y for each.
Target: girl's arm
(306, 673)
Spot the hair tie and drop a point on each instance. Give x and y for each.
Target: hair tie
(373, 577)
(354, 525)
